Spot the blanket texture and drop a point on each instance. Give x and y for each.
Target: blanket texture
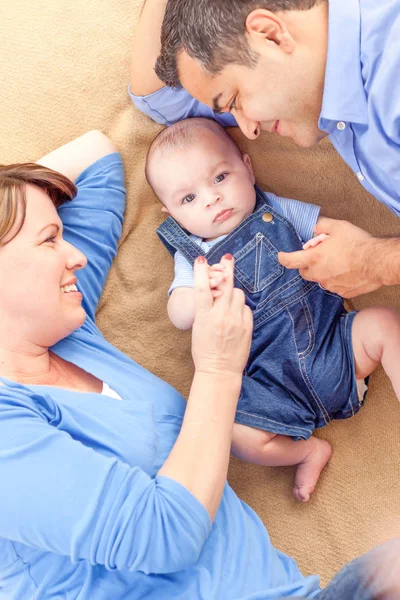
(65, 70)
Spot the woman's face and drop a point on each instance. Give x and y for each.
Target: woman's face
(35, 266)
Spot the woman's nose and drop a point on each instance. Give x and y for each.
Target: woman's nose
(75, 258)
(251, 129)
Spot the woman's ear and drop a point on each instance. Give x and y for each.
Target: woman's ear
(263, 25)
(247, 162)
(164, 209)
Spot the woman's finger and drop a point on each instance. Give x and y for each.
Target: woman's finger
(238, 300)
(202, 291)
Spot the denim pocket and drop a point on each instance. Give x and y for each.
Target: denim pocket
(303, 327)
(256, 264)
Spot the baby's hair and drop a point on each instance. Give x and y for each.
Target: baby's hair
(183, 134)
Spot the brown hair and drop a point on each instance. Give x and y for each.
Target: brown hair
(13, 181)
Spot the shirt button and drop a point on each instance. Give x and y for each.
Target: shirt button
(267, 218)
(341, 126)
(360, 176)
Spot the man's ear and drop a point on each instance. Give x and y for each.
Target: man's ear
(266, 26)
(164, 209)
(247, 162)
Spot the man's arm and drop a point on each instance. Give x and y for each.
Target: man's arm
(146, 48)
(350, 262)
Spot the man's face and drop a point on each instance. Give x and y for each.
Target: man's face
(281, 94)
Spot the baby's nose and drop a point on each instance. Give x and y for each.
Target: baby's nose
(213, 199)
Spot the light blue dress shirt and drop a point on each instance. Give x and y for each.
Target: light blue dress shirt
(361, 101)
(83, 513)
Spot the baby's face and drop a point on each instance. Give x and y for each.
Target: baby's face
(207, 187)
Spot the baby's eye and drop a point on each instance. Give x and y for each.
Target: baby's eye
(189, 198)
(220, 177)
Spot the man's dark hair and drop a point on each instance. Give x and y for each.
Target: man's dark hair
(212, 32)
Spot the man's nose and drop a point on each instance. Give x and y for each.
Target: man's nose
(250, 128)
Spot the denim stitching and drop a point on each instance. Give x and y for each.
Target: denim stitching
(280, 307)
(345, 340)
(284, 425)
(307, 381)
(305, 376)
(297, 280)
(310, 326)
(258, 260)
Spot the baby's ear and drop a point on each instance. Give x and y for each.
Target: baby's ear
(164, 209)
(247, 162)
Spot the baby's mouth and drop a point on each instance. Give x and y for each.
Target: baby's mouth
(223, 215)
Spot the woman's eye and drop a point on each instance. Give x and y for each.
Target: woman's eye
(51, 239)
(189, 198)
(220, 177)
(232, 105)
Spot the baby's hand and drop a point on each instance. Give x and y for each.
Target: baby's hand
(217, 275)
(315, 241)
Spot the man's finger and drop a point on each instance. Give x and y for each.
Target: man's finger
(203, 296)
(296, 260)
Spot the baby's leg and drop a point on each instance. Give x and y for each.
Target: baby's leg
(271, 450)
(376, 339)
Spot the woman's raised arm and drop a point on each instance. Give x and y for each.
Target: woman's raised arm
(74, 157)
(220, 346)
(146, 48)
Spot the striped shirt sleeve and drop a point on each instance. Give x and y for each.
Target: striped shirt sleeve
(302, 215)
(183, 273)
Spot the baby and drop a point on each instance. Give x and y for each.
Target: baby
(308, 355)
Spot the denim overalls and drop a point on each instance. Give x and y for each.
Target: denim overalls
(300, 374)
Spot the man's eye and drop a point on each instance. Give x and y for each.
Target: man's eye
(189, 198)
(220, 177)
(232, 105)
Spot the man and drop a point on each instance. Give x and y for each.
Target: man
(304, 69)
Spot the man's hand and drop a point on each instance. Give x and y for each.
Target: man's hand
(344, 263)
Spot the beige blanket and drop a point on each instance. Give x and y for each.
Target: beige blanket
(64, 70)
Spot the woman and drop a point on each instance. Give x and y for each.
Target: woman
(110, 488)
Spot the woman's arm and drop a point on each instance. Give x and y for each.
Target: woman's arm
(146, 48)
(220, 346)
(74, 157)
(93, 219)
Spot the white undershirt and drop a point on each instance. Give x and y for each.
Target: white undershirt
(107, 391)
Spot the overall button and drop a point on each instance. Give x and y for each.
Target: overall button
(341, 125)
(267, 218)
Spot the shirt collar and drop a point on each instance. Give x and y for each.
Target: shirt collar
(344, 96)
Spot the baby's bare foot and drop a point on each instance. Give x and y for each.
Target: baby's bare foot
(308, 472)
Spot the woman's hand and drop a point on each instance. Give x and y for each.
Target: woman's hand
(220, 346)
(223, 326)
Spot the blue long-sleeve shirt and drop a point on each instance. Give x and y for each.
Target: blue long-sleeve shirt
(83, 514)
(361, 100)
